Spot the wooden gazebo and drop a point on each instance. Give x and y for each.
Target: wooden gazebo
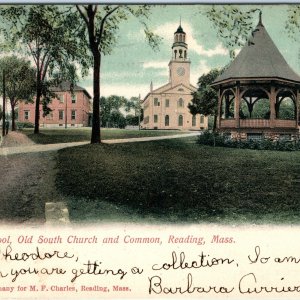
(259, 93)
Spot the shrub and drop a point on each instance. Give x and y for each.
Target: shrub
(217, 139)
(22, 125)
(211, 138)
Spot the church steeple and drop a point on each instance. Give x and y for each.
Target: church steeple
(179, 47)
(179, 64)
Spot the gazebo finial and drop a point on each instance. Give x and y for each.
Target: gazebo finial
(260, 19)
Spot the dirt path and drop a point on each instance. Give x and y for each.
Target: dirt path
(27, 182)
(31, 148)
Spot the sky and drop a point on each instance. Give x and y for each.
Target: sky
(132, 65)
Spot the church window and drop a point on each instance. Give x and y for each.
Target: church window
(180, 102)
(180, 120)
(201, 119)
(180, 53)
(155, 118)
(167, 120)
(156, 103)
(175, 53)
(167, 102)
(181, 90)
(194, 120)
(184, 53)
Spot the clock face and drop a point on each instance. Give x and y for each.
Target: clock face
(180, 71)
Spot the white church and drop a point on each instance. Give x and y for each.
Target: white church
(167, 106)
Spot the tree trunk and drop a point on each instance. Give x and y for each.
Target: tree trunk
(96, 138)
(37, 104)
(215, 123)
(13, 117)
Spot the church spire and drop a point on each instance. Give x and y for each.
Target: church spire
(179, 47)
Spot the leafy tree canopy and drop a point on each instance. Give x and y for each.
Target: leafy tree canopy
(19, 81)
(50, 36)
(205, 99)
(233, 24)
(102, 23)
(292, 24)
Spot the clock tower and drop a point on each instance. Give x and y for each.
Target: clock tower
(179, 65)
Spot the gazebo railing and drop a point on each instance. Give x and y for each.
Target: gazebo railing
(285, 123)
(228, 123)
(254, 123)
(258, 123)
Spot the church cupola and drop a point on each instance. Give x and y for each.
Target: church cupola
(179, 48)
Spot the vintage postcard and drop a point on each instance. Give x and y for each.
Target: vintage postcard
(149, 151)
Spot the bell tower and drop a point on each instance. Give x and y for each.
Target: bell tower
(179, 64)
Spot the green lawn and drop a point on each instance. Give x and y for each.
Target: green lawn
(180, 181)
(52, 136)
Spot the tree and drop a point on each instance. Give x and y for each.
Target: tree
(50, 36)
(108, 106)
(1, 112)
(205, 99)
(233, 24)
(19, 82)
(117, 119)
(102, 23)
(292, 24)
(134, 103)
(132, 120)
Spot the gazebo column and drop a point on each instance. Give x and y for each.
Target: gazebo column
(237, 101)
(219, 108)
(297, 108)
(272, 106)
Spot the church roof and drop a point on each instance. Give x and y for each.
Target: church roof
(179, 30)
(169, 89)
(259, 58)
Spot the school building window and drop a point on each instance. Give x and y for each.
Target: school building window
(26, 114)
(155, 118)
(167, 102)
(73, 114)
(49, 116)
(60, 114)
(201, 119)
(61, 98)
(74, 98)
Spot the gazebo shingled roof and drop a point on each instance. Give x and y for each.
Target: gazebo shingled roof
(259, 58)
